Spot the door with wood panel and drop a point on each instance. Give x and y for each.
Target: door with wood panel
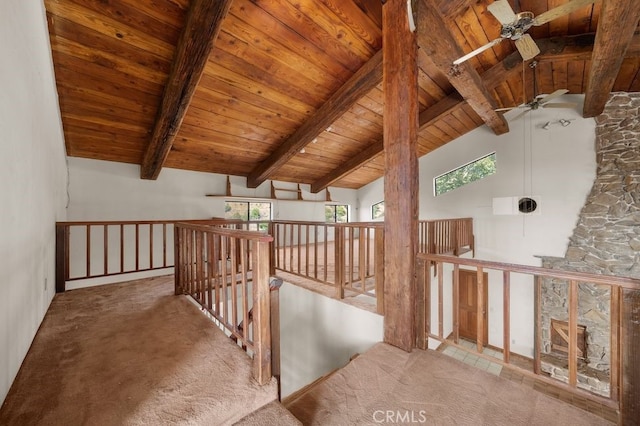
(468, 305)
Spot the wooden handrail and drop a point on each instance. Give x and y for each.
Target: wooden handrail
(216, 266)
(425, 330)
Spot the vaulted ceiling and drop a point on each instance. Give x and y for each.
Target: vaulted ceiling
(291, 89)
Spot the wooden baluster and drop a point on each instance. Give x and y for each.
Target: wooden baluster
(339, 261)
(291, 267)
(456, 239)
(315, 251)
(199, 276)
(573, 332)
(244, 247)
(151, 246)
(189, 259)
(274, 293)
(440, 300)
(137, 246)
(537, 332)
(88, 251)
(164, 247)
(326, 258)
(176, 269)
(62, 257)
(235, 265)
(456, 303)
(217, 272)
(362, 251)
(210, 277)
(352, 259)
(422, 303)
(379, 269)
(431, 243)
(427, 299)
(480, 311)
(105, 248)
(271, 230)
(121, 248)
(306, 250)
(224, 248)
(506, 316)
(299, 258)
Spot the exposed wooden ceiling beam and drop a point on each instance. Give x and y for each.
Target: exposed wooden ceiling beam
(196, 41)
(572, 48)
(616, 26)
(357, 161)
(440, 45)
(360, 83)
(426, 118)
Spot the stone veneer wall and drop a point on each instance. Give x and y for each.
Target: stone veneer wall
(606, 239)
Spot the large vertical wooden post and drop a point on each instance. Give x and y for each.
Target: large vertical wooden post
(261, 311)
(400, 82)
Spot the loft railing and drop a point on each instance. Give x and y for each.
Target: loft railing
(446, 236)
(97, 249)
(432, 320)
(347, 256)
(87, 250)
(226, 271)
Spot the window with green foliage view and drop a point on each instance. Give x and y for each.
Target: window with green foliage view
(463, 175)
(336, 213)
(377, 210)
(245, 210)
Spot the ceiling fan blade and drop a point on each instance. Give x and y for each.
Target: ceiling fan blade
(527, 47)
(477, 51)
(560, 105)
(503, 12)
(505, 109)
(553, 95)
(559, 11)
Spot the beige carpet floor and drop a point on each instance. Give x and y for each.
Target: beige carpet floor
(132, 354)
(388, 385)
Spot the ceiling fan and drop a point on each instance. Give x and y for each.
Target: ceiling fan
(539, 101)
(515, 26)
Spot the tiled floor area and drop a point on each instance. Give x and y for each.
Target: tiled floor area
(474, 360)
(513, 375)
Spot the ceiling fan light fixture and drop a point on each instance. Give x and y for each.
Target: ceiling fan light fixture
(564, 122)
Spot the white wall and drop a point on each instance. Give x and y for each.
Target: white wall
(33, 175)
(557, 166)
(104, 190)
(319, 335)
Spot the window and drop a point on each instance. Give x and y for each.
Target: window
(336, 213)
(377, 210)
(463, 175)
(245, 210)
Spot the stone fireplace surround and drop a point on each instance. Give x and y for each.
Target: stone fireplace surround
(606, 240)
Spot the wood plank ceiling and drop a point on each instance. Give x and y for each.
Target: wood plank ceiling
(291, 89)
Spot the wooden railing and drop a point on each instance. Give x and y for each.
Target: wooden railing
(226, 271)
(502, 275)
(87, 250)
(347, 256)
(446, 236)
